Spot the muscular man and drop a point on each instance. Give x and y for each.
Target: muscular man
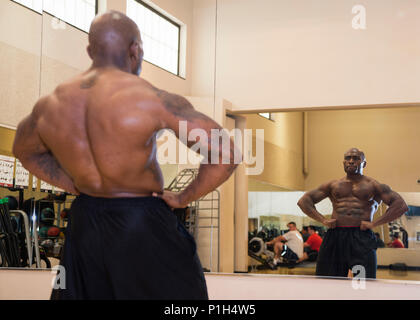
(95, 136)
(355, 199)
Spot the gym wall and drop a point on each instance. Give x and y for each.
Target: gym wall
(301, 54)
(283, 151)
(388, 137)
(20, 48)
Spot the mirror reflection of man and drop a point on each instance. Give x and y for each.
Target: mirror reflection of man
(350, 240)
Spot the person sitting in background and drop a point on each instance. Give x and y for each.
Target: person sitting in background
(379, 241)
(305, 234)
(290, 251)
(404, 237)
(311, 246)
(396, 242)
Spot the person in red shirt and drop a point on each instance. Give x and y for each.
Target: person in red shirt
(311, 246)
(396, 242)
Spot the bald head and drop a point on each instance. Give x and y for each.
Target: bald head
(357, 151)
(114, 40)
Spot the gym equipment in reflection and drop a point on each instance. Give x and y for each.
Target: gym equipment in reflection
(30, 231)
(257, 249)
(201, 216)
(16, 244)
(51, 215)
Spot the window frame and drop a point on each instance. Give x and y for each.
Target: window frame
(52, 15)
(160, 14)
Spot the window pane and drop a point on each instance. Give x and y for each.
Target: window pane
(35, 5)
(160, 37)
(78, 13)
(265, 115)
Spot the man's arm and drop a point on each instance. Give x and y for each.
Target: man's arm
(307, 204)
(34, 154)
(277, 239)
(308, 242)
(210, 175)
(396, 206)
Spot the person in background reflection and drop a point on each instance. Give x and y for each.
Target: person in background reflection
(311, 246)
(305, 234)
(396, 242)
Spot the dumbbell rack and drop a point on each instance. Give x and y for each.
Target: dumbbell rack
(205, 209)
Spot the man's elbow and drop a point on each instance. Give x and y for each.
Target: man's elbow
(404, 208)
(17, 150)
(301, 202)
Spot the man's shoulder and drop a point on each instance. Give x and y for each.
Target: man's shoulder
(370, 180)
(135, 91)
(379, 186)
(292, 232)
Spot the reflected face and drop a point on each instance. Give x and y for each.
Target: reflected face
(291, 227)
(354, 162)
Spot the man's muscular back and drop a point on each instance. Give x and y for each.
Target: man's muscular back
(101, 127)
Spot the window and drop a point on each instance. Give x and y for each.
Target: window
(35, 5)
(78, 13)
(266, 115)
(160, 35)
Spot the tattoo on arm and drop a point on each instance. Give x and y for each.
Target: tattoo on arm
(49, 165)
(179, 106)
(386, 194)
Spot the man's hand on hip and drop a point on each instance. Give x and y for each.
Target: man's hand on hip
(172, 199)
(366, 225)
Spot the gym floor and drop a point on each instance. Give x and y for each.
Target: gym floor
(309, 270)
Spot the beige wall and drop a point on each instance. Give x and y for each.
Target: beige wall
(283, 150)
(258, 185)
(20, 50)
(299, 54)
(204, 48)
(227, 218)
(389, 138)
(412, 226)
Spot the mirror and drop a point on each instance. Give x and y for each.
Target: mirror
(320, 64)
(304, 150)
(47, 46)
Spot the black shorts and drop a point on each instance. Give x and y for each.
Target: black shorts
(288, 254)
(129, 248)
(312, 254)
(345, 247)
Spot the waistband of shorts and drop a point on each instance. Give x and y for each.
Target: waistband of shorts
(123, 201)
(348, 227)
